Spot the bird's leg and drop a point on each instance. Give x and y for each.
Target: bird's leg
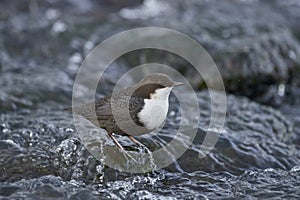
(115, 141)
(134, 140)
(138, 143)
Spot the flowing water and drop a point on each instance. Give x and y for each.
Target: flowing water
(256, 47)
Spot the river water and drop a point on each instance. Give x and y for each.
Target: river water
(256, 47)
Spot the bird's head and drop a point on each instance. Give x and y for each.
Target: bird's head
(156, 85)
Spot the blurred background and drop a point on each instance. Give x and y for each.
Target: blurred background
(255, 44)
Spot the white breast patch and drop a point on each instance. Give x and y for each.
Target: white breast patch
(155, 109)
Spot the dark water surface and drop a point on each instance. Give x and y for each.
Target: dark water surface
(256, 47)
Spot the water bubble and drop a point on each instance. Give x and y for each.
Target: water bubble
(26, 132)
(172, 113)
(292, 54)
(34, 135)
(76, 183)
(99, 169)
(52, 14)
(74, 61)
(149, 8)
(12, 143)
(281, 90)
(269, 170)
(295, 169)
(88, 46)
(6, 130)
(67, 149)
(59, 27)
(76, 58)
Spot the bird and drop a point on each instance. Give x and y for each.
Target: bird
(147, 107)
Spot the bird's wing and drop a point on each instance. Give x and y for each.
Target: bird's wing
(136, 105)
(103, 107)
(93, 110)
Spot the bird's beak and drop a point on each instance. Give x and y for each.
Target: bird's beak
(177, 83)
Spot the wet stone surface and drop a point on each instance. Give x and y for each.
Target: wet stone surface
(42, 44)
(45, 146)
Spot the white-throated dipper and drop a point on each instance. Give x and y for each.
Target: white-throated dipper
(147, 107)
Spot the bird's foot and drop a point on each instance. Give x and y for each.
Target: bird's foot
(139, 144)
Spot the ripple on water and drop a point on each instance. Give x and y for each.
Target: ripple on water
(257, 155)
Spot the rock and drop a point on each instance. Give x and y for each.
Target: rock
(256, 47)
(250, 54)
(250, 67)
(254, 137)
(29, 89)
(291, 109)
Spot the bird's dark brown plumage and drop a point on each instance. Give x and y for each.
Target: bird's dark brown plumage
(104, 116)
(100, 112)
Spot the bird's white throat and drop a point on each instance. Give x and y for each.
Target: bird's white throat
(155, 109)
